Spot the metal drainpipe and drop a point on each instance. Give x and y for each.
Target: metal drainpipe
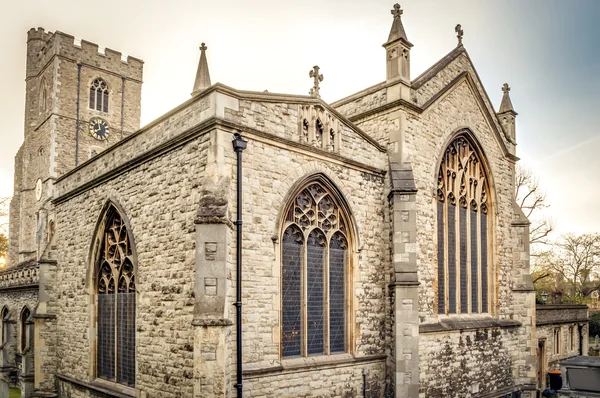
(239, 144)
(364, 374)
(122, 102)
(77, 120)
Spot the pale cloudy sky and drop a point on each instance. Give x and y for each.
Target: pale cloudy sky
(547, 50)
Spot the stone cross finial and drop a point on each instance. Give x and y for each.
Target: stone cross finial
(459, 33)
(314, 73)
(505, 88)
(203, 47)
(397, 11)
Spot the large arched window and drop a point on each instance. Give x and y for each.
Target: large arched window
(463, 230)
(99, 95)
(315, 273)
(115, 287)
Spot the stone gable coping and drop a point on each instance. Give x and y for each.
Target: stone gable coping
(296, 99)
(179, 140)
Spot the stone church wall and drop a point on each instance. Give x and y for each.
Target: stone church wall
(504, 353)
(271, 168)
(160, 198)
(15, 301)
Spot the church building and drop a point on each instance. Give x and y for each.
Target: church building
(255, 244)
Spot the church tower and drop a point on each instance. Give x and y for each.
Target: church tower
(78, 102)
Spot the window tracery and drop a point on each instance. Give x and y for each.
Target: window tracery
(315, 261)
(462, 214)
(116, 303)
(99, 95)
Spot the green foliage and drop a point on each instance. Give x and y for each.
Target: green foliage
(3, 245)
(594, 325)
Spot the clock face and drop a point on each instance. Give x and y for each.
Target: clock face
(38, 189)
(99, 129)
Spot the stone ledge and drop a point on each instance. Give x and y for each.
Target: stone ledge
(561, 322)
(446, 325)
(212, 322)
(314, 363)
(98, 387)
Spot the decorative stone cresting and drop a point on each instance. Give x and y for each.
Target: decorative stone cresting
(19, 276)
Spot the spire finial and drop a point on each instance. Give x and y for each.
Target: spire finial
(506, 104)
(397, 31)
(459, 33)
(314, 73)
(202, 81)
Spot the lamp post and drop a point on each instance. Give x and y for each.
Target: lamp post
(544, 295)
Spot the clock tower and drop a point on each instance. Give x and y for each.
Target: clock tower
(79, 101)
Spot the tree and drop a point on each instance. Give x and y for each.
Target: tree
(4, 211)
(3, 245)
(573, 262)
(532, 201)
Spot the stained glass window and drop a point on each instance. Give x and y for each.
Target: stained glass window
(314, 275)
(116, 303)
(462, 234)
(99, 95)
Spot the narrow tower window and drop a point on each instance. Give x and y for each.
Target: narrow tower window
(99, 95)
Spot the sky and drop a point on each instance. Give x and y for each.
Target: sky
(547, 50)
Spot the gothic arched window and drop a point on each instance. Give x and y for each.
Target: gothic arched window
(5, 323)
(463, 231)
(99, 95)
(315, 274)
(24, 326)
(115, 284)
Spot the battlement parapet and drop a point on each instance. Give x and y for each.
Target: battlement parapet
(84, 52)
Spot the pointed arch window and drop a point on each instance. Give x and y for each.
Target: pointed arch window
(315, 263)
(99, 95)
(116, 306)
(24, 322)
(5, 325)
(463, 226)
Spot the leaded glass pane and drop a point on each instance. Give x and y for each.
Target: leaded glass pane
(440, 258)
(126, 338)
(464, 298)
(484, 263)
(451, 259)
(474, 270)
(105, 101)
(314, 276)
(337, 302)
(291, 290)
(92, 97)
(106, 336)
(98, 100)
